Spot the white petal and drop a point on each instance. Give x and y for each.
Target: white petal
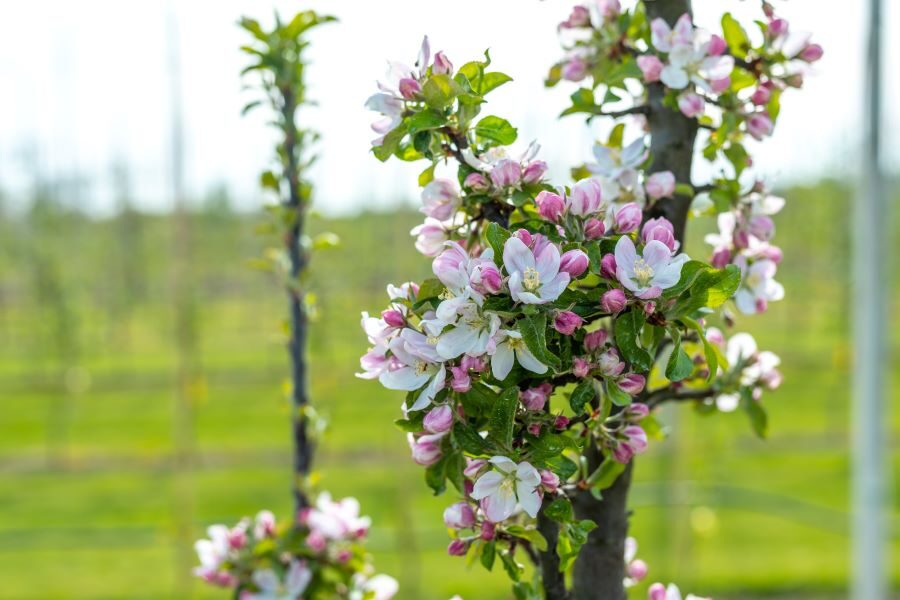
(529, 361)
(504, 464)
(404, 379)
(502, 361)
(674, 77)
(529, 500)
(487, 484)
(457, 341)
(500, 505)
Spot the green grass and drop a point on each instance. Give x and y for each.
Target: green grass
(92, 506)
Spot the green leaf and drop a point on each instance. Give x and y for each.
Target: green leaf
(735, 36)
(606, 474)
(627, 333)
(425, 120)
(269, 181)
(468, 439)
(503, 417)
(435, 476)
(488, 554)
(562, 466)
(513, 569)
(616, 394)
(391, 143)
(426, 176)
(439, 91)
(710, 290)
(582, 396)
(534, 331)
(759, 420)
(679, 364)
(710, 351)
(560, 510)
(615, 136)
(689, 273)
(532, 535)
(496, 237)
(497, 130)
(492, 81)
(453, 470)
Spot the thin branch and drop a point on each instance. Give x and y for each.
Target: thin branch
(667, 394)
(640, 109)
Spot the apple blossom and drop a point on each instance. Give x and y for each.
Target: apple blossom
(550, 205)
(658, 591)
(594, 229)
(426, 449)
(459, 516)
(691, 105)
(509, 348)
(610, 364)
(534, 171)
(477, 182)
(440, 199)
(506, 173)
(632, 384)
(650, 67)
(595, 340)
(507, 483)
(574, 262)
(580, 17)
(758, 286)
(271, 587)
(617, 163)
(660, 185)
(416, 364)
(575, 69)
(430, 236)
(549, 481)
(457, 547)
(666, 38)
(586, 198)
(628, 218)
(439, 419)
(460, 381)
(759, 125)
(442, 64)
(566, 322)
(650, 273)
(536, 397)
(613, 301)
(534, 275)
(581, 367)
(661, 230)
(608, 266)
(690, 63)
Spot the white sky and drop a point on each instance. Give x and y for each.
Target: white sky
(87, 85)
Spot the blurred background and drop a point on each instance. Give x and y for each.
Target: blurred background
(142, 362)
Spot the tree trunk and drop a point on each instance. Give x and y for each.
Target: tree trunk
(600, 568)
(554, 581)
(303, 447)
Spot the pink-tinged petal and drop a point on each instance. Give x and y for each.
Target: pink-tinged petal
(502, 362)
(404, 379)
(487, 484)
(717, 67)
(551, 290)
(529, 361)
(650, 293)
(625, 253)
(684, 29)
(516, 256)
(527, 474)
(503, 464)
(656, 254)
(529, 499)
(547, 262)
(500, 505)
(660, 33)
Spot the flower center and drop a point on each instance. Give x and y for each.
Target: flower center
(532, 280)
(420, 367)
(643, 273)
(515, 343)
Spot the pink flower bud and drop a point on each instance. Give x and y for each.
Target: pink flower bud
(657, 591)
(637, 570)
(594, 229)
(794, 81)
(628, 218)
(691, 104)
(637, 411)
(574, 262)
(661, 185)
(759, 125)
(487, 530)
(649, 308)
(650, 66)
(768, 9)
(237, 537)
(561, 422)
(440, 199)
(721, 257)
(409, 88)
(581, 367)
(525, 236)
(457, 547)
(637, 438)
(394, 318)
(773, 253)
(439, 419)
(491, 279)
(812, 53)
(442, 64)
(613, 301)
(549, 480)
(575, 69)
(762, 227)
(608, 266)
(473, 363)
(778, 27)
(430, 237)
(473, 467)
(426, 449)
(632, 384)
(550, 206)
(717, 46)
(344, 556)
(623, 453)
(477, 182)
(459, 516)
(740, 238)
(316, 541)
(506, 173)
(595, 339)
(536, 398)
(761, 96)
(609, 363)
(534, 429)
(534, 171)
(580, 17)
(720, 85)
(586, 198)
(609, 8)
(566, 322)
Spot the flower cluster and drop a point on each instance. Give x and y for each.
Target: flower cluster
(318, 555)
(730, 83)
(546, 317)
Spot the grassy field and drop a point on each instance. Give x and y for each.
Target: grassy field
(93, 504)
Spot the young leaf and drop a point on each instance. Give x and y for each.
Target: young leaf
(534, 330)
(582, 396)
(503, 417)
(496, 129)
(627, 331)
(735, 36)
(496, 237)
(468, 439)
(606, 474)
(532, 535)
(560, 510)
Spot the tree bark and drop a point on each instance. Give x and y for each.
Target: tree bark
(554, 581)
(303, 446)
(600, 568)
